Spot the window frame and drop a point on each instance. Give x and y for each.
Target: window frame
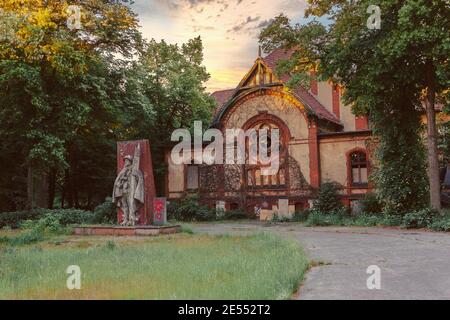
(351, 165)
(186, 178)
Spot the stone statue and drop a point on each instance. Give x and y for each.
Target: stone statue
(128, 193)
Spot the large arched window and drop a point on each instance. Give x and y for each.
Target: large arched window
(358, 168)
(255, 179)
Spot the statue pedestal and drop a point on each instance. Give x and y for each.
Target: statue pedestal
(125, 231)
(127, 148)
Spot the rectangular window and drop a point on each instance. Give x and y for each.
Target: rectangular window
(359, 169)
(192, 177)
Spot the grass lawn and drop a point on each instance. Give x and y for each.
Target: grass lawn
(181, 266)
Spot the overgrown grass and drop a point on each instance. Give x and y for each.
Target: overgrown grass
(179, 266)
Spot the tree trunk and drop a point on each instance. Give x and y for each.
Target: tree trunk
(51, 188)
(433, 161)
(37, 188)
(68, 189)
(63, 195)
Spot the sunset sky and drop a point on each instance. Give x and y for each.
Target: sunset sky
(228, 28)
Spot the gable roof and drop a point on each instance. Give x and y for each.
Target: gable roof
(221, 98)
(224, 96)
(308, 99)
(276, 55)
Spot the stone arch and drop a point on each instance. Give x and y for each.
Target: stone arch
(251, 94)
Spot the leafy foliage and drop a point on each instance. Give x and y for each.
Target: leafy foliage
(363, 220)
(172, 79)
(68, 95)
(105, 212)
(440, 223)
(328, 200)
(371, 204)
(189, 209)
(386, 73)
(419, 218)
(64, 216)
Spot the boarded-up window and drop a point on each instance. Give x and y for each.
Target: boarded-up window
(192, 177)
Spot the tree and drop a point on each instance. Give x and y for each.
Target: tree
(52, 81)
(398, 68)
(172, 79)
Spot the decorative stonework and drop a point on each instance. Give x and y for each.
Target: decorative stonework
(233, 174)
(296, 178)
(283, 95)
(209, 178)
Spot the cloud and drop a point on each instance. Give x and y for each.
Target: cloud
(228, 29)
(244, 24)
(264, 23)
(200, 28)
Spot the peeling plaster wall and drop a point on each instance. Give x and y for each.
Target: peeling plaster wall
(347, 117)
(175, 178)
(300, 152)
(325, 96)
(274, 105)
(333, 161)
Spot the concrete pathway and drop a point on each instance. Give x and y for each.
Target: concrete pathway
(414, 264)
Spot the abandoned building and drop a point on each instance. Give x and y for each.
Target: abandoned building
(321, 140)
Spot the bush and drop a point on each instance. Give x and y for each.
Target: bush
(13, 219)
(328, 201)
(71, 216)
(363, 220)
(317, 218)
(36, 230)
(390, 220)
(300, 216)
(440, 223)
(370, 204)
(188, 209)
(105, 212)
(419, 218)
(64, 216)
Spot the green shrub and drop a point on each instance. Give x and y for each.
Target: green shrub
(419, 218)
(36, 230)
(328, 201)
(390, 220)
(362, 220)
(64, 216)
(189, 209)
(317, 218)
(13, 219)
(105, 212)
(300, 216)
(71, 216)
(440, 223)
(370, 204)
